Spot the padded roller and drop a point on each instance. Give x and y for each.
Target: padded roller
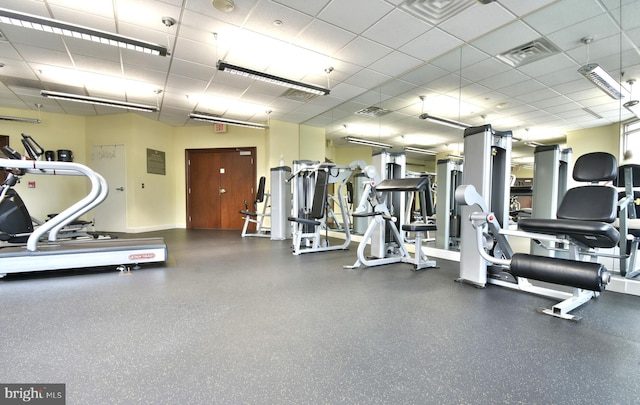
(585, 275)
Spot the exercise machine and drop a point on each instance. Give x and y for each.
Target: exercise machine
(550, 181)
(54, 254)
(280, 202)
(311, 204)
(255, 216)
(375, 206)
(628, 180)
(582, 227)
(449, 176)
(416, 211)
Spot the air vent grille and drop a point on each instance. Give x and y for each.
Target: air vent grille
(298, 95)
(373, 112)
(530, 52)
(435, 11)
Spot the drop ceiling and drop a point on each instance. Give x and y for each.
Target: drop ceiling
(401, 57)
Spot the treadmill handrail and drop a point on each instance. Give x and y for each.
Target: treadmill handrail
(60, 168)
(104, 191)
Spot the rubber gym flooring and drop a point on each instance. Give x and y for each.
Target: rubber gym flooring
(242, 321)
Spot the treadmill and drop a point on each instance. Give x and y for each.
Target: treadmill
(55, 254)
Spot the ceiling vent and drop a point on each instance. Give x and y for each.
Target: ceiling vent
(298, 95)
(373, 112)
(436, 11)
(529, 52)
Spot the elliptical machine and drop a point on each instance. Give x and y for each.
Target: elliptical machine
(16, 224)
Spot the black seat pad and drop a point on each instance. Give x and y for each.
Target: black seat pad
(419, 227)
(305, 221)
(590, 233)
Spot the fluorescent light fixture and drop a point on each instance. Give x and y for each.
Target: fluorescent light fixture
(220, 120)
(280, 81)
(603, 80)
(633, 106)
(443, 121)
(419, 150)
(533, 144)
(99, 101)
(20, 119)
(77, 31)
(367, 142)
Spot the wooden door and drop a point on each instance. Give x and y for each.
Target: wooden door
(218, 183)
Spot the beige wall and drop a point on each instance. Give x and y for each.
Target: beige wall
(600, 139)
(283, 139)
(52, 194)
(151, 207)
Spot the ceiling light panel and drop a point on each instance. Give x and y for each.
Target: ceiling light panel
(56, 27)
(79, 98)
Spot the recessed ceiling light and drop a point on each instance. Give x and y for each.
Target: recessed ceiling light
(278, 23)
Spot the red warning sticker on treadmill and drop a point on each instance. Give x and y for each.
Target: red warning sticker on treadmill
(142, 256)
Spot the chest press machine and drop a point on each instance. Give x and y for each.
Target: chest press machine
(382, 223)
(310, 182)
(583, 225)
(257, 216)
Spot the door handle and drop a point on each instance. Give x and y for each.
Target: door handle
(222, 191)
(120, 188)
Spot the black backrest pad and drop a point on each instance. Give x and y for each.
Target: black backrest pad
(260, 193)
(624, 170)
(589, 203)
(320, 195)
(408, 184)
(595, 166)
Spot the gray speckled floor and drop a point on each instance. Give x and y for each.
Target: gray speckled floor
(231, 320)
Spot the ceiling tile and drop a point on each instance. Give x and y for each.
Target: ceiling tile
(431, 45)
(484, 69)
(343, 14)
(97, 18)
(263, 18)
(307, 7)
(424, 74)
(504, 79)
(367, 78)
(396, 29)
(323, 37)
(395, 63)
(477, 20)
(363, 52)
(562, 14)
(520, 8)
